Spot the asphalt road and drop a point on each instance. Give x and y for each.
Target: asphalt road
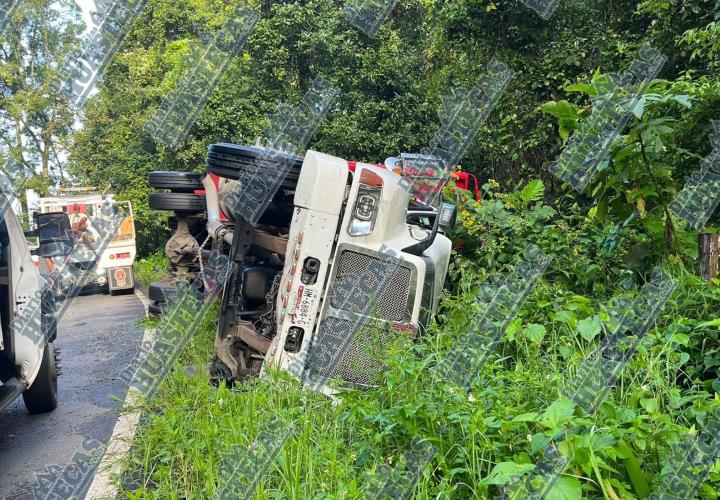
(98, 337)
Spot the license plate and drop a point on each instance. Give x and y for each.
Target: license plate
(121, 278)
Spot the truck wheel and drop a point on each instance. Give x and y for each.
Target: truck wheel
(182, 182)
(235, 162)
(156, 308)
(159, 291)
(42, 395)
(178, 202)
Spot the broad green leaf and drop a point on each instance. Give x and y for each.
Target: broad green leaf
(626, 151)
(557, 413)
(566, 488)
(712, 322)
(639, 109)
(589, 328)
(567, 126)
(584, 88)
(681, 338)
(538, 442)
(504, 472)
(534, 332)
(566, 316)
(533, 191)
(512, 329)
(561, 109)
(649, 404)
(684, 358)
(683, 100)
(566, 351)
(526, 417)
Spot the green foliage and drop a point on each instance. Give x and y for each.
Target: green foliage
(391, 84)
(590, 254)
(516, 405)
(35, 118)
(643, 172)
(151, 268)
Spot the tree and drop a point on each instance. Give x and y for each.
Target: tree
(36, 121)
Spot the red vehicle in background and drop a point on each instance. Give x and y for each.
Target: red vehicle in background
(426, 177)
(462, 181)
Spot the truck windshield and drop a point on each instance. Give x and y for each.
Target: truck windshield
(126, 230)
(427, 176)
(85, 222)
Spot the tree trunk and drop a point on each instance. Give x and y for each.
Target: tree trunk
(45, 155)
(709, 252)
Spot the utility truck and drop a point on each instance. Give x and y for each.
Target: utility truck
(334, 260)
(103, 265)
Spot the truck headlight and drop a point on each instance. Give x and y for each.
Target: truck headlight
(367, 203)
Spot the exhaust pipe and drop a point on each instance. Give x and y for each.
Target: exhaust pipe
(215, 228)
(213, 206)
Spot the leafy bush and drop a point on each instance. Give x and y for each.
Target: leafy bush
(151, 268)
(591, 255)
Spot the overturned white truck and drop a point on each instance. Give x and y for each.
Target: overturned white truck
(333, 260)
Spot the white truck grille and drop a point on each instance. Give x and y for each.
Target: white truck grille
(374, 289)
(391, 303)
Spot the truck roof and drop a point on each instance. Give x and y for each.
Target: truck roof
(86, 199)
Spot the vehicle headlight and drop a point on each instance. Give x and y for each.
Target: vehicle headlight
(367, 203)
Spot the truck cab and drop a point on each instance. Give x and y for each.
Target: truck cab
(102, 262)
(375, 276)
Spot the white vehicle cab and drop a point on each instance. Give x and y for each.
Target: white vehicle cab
(28, 363)
(112, 257)
(341, 252)
(374, 270)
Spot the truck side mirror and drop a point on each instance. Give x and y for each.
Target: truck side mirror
(55, 234)
(445, 219)
(447, 214)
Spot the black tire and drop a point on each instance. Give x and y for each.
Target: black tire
(188, 203)
(183, 182)
(155, 308)
(159, 291)
(239, 152)
(270, 171)
(42, 395)
(235, 162)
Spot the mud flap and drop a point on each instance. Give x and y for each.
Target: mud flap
(121, 278)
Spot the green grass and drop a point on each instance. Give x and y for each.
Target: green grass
(511, 409)
(484, 437)
(192, 424)
(151, 268)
